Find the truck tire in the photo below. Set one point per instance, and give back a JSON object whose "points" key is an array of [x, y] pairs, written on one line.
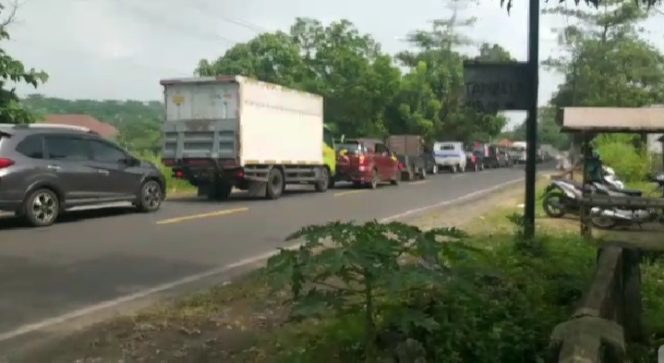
{"points": [[323, 180], [275, 184]]}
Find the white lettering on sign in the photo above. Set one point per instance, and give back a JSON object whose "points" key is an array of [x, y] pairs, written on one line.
{"points": [[496, 87]]}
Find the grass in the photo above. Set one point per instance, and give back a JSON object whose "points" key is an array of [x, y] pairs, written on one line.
{"points": [[248, 321]]}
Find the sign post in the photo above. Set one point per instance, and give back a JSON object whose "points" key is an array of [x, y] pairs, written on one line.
{"points": [[493, 87], [531, 122]]}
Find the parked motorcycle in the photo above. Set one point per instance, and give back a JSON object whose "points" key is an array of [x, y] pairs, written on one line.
{"points": [[607, 218], [563, 196]]}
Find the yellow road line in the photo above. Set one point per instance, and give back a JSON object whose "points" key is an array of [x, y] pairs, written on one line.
{"points": [[201, 216], [341, 194], [419, 182]]}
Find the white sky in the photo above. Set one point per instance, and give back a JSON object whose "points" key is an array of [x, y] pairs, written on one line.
{"points": [[120, 49]]}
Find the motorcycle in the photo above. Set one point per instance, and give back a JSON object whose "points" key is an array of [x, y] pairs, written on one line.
{"points": [[607, 218], [563, 196]]}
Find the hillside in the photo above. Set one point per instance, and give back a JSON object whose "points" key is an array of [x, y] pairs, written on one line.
{"points": [[137, 121]]}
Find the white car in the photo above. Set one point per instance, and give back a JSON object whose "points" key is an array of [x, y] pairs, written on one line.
{"points": [[450, 155]]}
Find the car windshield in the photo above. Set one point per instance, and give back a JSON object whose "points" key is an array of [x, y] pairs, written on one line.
{"points": [[446, 147], [352, 147]]}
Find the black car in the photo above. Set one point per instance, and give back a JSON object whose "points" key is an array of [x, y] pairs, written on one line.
{"points": [[48, 169]]}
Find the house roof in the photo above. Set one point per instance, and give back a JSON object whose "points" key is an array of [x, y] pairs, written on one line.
{"points": [[102, 128], [614, 119]]}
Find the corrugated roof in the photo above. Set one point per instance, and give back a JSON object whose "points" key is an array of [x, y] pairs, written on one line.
{"points": [[103, 129], [613, 119]]}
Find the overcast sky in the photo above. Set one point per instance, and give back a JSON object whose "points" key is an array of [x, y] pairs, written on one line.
{"points": [[119, 49]]}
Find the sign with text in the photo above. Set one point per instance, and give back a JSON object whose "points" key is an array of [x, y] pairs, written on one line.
{"points": [[492, 87]]}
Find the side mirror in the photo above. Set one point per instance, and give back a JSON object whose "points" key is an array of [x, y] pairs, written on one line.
{"points": [[130, 161]]}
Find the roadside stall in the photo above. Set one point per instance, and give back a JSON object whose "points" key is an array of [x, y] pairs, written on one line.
{"points": [[591, 121]]}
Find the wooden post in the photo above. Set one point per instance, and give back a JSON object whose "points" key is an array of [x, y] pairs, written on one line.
{"points": [[633, 308], [586, 229]]}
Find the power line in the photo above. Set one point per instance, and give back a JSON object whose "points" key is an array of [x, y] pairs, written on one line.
{"points": [[205, 8]]}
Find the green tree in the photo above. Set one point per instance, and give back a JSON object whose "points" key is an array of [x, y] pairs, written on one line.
{"points": [[13, 71], [437, 50], [347, 68], [607, 43], [493, 53]]}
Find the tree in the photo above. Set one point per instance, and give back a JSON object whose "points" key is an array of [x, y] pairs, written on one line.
{"points": [[493, 53], [606, 42], [436, 49], [13, 70], [356, 80], [270, 57]]}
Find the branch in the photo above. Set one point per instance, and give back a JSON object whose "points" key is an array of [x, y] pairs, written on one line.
{"points": [[12, 13]]}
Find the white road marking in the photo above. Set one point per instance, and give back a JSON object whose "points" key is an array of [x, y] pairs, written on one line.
{"points": [[419, 182], [219, 213], [91, 309], [341, 194]]}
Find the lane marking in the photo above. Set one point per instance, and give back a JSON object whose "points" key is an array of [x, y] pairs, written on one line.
{"points": [[451, 201], [419, 182], [341, 194], [91, 309], [201, 216]]}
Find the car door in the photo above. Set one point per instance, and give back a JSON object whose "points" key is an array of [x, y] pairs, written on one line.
{"points": [[121, 178], [69, 160], [383, 161]]}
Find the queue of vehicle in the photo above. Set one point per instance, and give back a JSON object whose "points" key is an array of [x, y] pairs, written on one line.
{"points": [[219, 134]]}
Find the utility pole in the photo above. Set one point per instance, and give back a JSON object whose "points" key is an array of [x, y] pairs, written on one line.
{"points": [[531, 122]]}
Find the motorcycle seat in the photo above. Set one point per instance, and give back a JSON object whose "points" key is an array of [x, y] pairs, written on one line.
{"points": [[631, 192]]}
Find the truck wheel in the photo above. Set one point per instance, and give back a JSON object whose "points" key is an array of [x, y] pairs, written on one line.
{"points": [[275, 184], [323, 180]]}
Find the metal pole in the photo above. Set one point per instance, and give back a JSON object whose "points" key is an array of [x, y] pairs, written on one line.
{"points": [[531, 123]]}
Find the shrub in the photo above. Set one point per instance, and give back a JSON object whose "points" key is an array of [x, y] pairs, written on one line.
{"points": [[619, 152], [394, 293]]}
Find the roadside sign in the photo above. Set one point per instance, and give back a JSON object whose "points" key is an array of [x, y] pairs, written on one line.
{"points": [[493, 87]]}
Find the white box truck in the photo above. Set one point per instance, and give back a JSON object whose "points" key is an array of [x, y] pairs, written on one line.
{"points": [[232, 131]]}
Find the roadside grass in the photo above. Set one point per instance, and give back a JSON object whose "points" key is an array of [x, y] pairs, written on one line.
{"points": [[175, 187], [507, 317]]}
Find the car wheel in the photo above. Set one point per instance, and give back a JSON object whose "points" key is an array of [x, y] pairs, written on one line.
{"points": [[275, 184], [323, 180], [41, 208], [397, 178], [374, 179], [150, 197]]}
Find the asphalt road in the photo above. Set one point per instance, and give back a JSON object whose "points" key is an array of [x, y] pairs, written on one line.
{"points": [[93, 257]]}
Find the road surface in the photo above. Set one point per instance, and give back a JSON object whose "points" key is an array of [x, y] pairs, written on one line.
{"points": [[92, 258]]}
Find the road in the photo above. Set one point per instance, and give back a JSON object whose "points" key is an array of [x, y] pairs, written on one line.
{"points": [[109, 256]]}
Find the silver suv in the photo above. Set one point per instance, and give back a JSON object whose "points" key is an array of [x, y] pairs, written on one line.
{"points": [[47, 169]]}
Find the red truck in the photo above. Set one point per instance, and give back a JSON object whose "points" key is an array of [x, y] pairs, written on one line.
{"points": [[366, 162]]}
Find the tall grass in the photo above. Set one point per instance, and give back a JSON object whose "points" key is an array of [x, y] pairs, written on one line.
{"points": [[173, 185]]}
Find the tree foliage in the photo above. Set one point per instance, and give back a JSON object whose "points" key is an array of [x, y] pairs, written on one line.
{"points": [[365, 92], [13, 71], [139, 123]]}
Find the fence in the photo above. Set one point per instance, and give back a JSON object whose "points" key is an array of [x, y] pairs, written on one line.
{"points": [[609, 314]]}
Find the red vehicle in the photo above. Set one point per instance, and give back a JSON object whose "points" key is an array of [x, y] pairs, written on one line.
{"points": [[366, 162]]}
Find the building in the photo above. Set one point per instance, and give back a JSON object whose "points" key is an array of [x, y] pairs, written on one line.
{"points": [[103, 129]]}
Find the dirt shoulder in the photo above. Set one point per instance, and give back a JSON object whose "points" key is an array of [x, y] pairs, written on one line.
{"points": [[225, 322]]}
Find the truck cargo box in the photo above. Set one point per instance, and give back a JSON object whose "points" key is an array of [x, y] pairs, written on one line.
{"points": [[406, 145], [241, 119]]}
